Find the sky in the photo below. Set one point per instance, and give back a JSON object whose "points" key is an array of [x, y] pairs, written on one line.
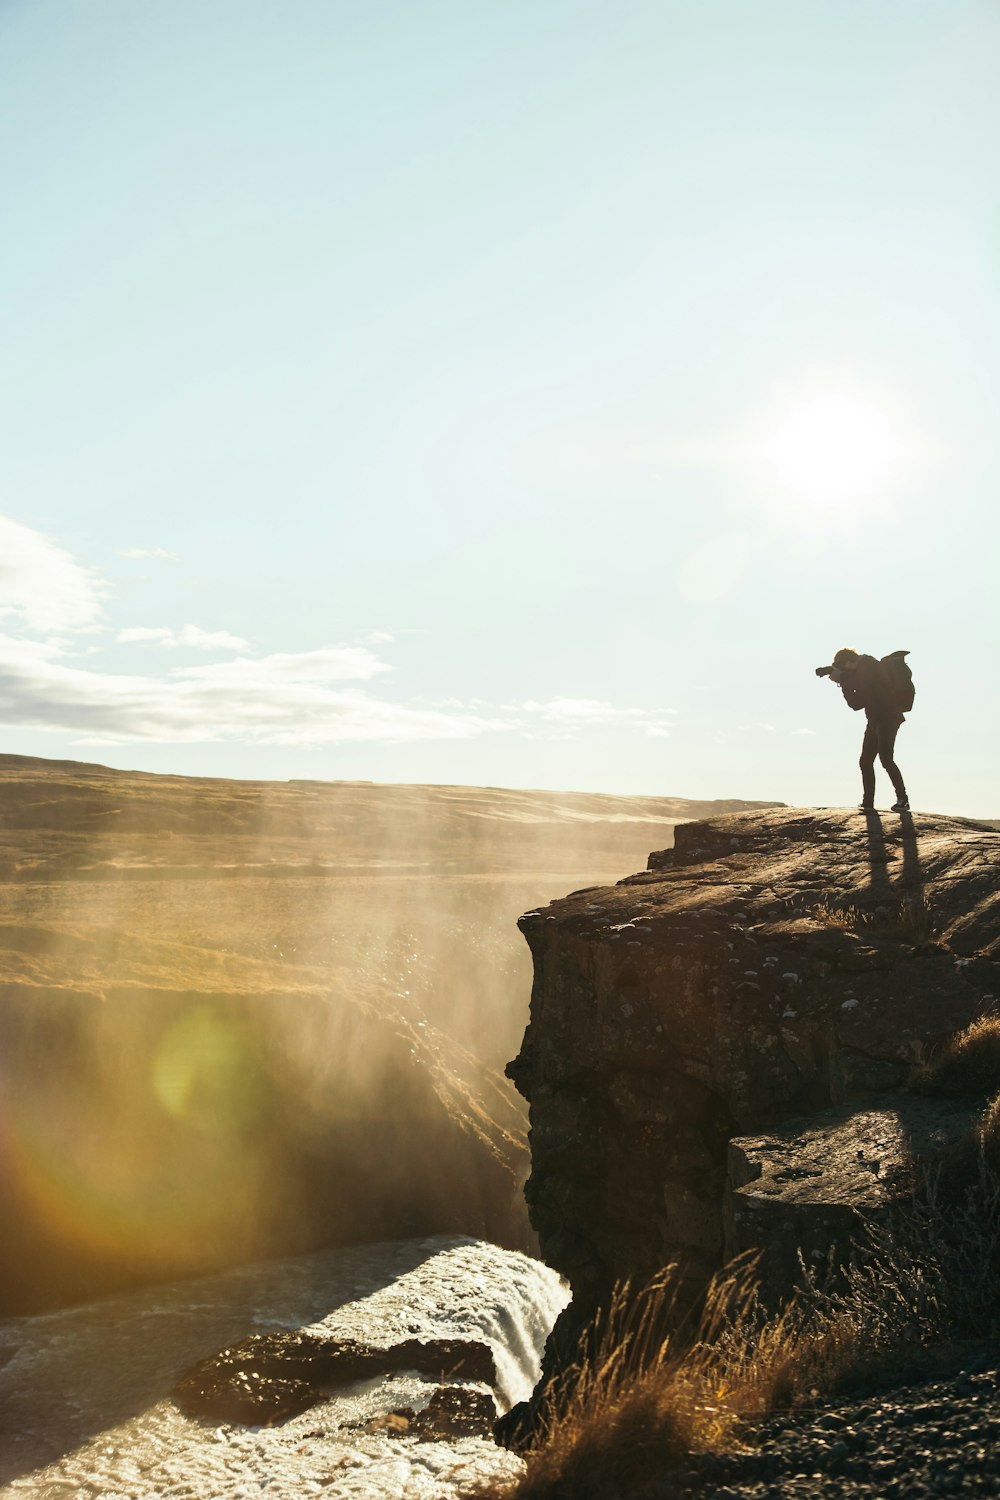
{"points": [[520, 393]]}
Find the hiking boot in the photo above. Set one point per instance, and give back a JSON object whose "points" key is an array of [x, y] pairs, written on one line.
{"points": [[903, 805], [866, 807]]}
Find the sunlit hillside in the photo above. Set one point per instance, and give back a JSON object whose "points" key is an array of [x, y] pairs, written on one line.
{"points": [[243, 1017]]}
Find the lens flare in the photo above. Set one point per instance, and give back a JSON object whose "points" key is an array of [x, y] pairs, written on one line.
{"points": [[144, 1151], [201, 1072]]}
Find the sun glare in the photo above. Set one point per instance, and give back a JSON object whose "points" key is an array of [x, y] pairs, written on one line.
{"points": [[830, 451]]}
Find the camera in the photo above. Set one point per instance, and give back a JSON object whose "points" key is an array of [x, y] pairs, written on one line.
{"points": [[825, 671]]}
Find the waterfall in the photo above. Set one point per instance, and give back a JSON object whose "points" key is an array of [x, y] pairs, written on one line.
{"points": [[85, 1391], [512, 1300]]}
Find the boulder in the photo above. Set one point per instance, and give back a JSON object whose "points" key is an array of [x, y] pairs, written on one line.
{"points": [[270, 1377]]}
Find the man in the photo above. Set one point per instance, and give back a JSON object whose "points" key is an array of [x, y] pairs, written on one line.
{"points": [[866, 683]]}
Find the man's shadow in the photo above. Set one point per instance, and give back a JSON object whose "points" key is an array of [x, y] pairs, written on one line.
{"points": [[908, 887], [913, 875], [926, 1125]]}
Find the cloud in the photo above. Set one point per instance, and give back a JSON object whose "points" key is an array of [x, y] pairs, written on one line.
{"points": [[312, 697], [41, 586], [285, 699], [139, 554], [188, 635], [566, 716], [329, 664]]}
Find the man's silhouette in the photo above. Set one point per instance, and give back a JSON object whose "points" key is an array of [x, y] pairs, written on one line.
{"points": [[865, 683]]}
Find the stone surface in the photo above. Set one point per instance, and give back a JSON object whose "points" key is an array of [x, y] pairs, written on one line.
{"points": [[771, 965], [919, 1439]]}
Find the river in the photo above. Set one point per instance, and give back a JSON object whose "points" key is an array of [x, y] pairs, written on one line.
{"points": [[86, 1391]]}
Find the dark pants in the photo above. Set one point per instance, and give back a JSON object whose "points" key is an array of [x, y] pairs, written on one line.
{"points": [[880, 738]]}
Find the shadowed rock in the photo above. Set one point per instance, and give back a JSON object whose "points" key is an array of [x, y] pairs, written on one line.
{"points": [[454, 1411], [808, 1188], [272, 1376]]}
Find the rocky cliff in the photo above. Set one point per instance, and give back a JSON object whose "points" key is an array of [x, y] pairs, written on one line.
{"points": [[702, 1032]]}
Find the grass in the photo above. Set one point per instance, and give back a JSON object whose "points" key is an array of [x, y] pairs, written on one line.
{"points": [[911, 919], [637, 1402], [968, 1064], [845, 918]]}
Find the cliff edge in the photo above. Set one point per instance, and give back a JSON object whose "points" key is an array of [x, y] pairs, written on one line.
{"points": [[774, 966]]}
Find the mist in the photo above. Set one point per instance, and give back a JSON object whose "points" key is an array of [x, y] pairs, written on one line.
{"points": [[242, 1019]]}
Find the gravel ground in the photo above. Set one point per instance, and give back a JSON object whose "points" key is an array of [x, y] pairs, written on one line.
{"points": [[938, 1437]]}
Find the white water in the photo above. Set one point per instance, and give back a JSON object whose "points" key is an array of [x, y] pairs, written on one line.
{"points": [[84, 1391]]}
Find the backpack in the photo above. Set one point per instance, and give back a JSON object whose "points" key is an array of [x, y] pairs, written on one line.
{"points": [[900, 679]]}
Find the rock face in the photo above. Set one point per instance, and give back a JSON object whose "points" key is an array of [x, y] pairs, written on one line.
{"points": [[771, 966]]}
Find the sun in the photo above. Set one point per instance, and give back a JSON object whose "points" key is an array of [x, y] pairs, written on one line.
{"points": [[831, 450]]}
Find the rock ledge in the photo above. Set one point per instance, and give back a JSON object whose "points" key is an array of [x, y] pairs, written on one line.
{"points": [[771, 967]]}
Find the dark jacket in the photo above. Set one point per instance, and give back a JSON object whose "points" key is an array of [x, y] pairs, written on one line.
{"points": [[870, 688]]}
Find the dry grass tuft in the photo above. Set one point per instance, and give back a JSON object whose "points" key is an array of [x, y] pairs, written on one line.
{"points": [[969, 1064], [962, 1168], [911, 919], [828, 912], [988, 1133], [637, 1403], [639, 1400]]}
